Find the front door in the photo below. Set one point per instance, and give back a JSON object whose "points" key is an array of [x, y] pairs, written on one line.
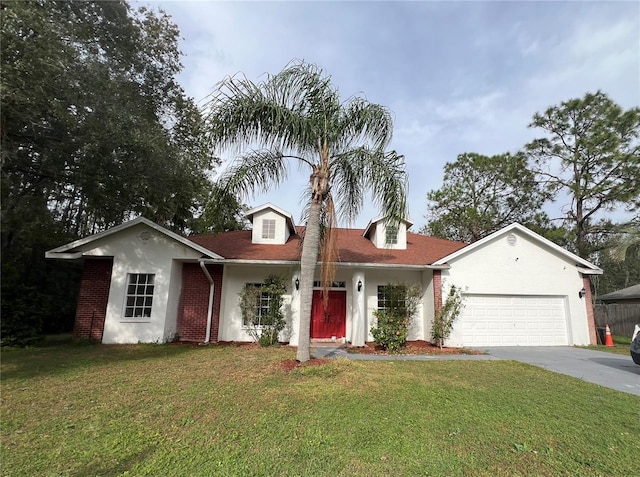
{"points": [[329, 321]]}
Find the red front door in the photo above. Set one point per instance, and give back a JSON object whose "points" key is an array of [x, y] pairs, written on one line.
{"points": [[329, 321]]}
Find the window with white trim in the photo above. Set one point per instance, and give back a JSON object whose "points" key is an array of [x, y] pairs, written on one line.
{"points": [[261, 308], [139, 298], [391, 235], [268, 228], [392, 297]]}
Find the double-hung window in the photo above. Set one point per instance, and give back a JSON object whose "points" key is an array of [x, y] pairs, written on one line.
{"points": [[261, 307], [268, 228], [392, 297], [392, 235], [139, 297]]}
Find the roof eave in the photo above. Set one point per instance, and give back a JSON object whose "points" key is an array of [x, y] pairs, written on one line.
{"points": [[69, 251]]}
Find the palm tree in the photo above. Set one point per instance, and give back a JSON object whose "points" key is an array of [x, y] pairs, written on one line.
{"points": [[297, 116]]}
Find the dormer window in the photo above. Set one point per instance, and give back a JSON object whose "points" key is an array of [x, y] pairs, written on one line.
{"points": [[388, 234], [270, 225], [391, 235], [268, 228]]}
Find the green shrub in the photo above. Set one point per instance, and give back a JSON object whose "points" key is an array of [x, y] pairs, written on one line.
{"points": [[401, 304], [446, 316], [392, 330], [264, 322]]}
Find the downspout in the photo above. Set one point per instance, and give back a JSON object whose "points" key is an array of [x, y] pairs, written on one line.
{"points": [[210, 307]]}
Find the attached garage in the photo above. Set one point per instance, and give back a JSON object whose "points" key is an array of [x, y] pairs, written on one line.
{"points": [[511, 320], [519, 289]]}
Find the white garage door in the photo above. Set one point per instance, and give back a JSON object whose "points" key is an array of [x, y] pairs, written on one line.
{"points": [[498, 320]]}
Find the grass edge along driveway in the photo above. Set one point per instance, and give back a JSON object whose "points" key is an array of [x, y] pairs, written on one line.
{"points": [[180, 410]]}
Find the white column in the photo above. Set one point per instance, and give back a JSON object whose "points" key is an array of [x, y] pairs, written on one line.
{"points": [[295, 310], [359, 322]]}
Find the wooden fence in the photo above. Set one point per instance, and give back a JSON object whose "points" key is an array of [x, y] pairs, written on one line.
{"points": [[620, 318]]}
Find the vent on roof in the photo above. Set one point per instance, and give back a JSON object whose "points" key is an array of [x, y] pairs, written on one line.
{"points": [[511, 239]]}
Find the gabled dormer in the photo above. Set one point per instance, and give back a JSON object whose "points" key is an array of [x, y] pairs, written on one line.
{"points": [[385, 235], [270, 224]]}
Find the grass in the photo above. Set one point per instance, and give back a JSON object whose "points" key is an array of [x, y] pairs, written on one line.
{"points": [[186, 411], [621, 345]]}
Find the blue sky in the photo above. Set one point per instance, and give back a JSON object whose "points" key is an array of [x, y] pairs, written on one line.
{"points": [[458, 76]]}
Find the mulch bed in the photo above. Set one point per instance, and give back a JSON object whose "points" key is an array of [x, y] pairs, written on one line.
{"points": [[412, 347], [291, 364]]}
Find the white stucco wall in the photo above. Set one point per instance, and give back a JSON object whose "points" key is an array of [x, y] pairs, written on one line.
{"points": [[141, 249], [282, 231], [359, 305], [235, 278], [525, 268], [376, 277]]}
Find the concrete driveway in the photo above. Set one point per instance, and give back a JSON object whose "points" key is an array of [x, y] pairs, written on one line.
{"points": [[613, 371]]}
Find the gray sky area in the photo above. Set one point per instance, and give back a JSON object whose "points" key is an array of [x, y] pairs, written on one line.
{"points": [[458, 76]]}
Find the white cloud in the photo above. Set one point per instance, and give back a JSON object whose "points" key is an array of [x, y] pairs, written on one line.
{"points": [[459, 76]]}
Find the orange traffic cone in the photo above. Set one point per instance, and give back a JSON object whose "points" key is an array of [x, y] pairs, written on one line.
{"points": [[608, 340]]}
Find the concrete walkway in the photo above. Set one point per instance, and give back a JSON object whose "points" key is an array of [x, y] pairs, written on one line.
{"points": [[610, 370], [340, 351]]}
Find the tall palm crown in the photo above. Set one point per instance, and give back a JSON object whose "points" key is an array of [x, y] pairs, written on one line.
{"points": [[296, 115]]}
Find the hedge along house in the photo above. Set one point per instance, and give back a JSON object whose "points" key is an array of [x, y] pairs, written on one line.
{"points": [[143, 283]]}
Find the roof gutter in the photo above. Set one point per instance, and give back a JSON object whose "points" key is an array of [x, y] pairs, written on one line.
{"points": [[203, 265], [238, 261]]}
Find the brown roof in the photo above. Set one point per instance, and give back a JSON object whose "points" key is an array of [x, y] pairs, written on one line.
{"points": [[352, 247]]}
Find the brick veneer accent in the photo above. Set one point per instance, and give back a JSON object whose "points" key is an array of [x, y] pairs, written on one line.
{"points": [[92, 299], [194, 302], [588, 302], [437, 290]]}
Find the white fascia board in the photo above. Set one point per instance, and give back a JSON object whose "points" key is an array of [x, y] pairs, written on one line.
{"points": [[287, 215], [392, 265], [521, 228], [338, 264], [63, 255], [59, 252], [589, 271], [239, 261]]}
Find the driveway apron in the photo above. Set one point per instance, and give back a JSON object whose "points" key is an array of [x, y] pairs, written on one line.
{"points": [[613, 371]]}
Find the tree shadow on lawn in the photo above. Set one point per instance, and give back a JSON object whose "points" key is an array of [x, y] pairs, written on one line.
{"points": [[26, 363], [117, 469]]}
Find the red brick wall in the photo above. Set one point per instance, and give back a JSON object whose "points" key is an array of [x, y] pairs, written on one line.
{"points": [[194, 302], [437, 290], [588, 302], [92, 299]]}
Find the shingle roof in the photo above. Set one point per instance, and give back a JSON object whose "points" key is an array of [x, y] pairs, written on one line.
{"points": [[629, 293], [352, 248]]}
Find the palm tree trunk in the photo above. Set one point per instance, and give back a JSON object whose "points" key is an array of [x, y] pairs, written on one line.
{"points": [[308, 263]]}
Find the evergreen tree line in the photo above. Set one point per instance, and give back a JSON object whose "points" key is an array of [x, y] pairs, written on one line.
{"points": [[586, 164], [95, 130]]}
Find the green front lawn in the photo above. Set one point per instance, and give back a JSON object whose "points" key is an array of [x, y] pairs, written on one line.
{"points": [[180, 410], [621, 345]]}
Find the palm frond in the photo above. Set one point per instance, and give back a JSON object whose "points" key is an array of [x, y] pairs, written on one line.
{"points": [[328, 247], [255, 170], [363, 124], [629, 240], [378, 172], [289, 110]]}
